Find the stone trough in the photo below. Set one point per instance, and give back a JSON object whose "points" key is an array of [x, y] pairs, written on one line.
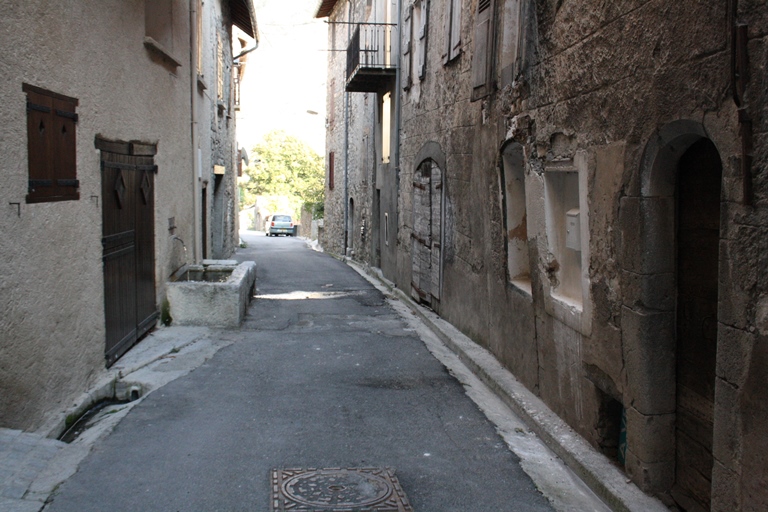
{"points": [[216, 293]]}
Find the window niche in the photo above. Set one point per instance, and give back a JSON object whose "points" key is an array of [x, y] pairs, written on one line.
{"points": [[515, 216], [158, 30], [386, 127], [567, 230]]}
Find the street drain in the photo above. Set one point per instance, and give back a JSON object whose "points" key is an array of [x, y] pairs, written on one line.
{"points": [[338, 490]]}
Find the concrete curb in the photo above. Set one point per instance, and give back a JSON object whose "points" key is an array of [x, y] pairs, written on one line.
{"points": [[606, 480]]}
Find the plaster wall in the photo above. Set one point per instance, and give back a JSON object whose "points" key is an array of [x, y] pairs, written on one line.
{"points": [[51, 287]]}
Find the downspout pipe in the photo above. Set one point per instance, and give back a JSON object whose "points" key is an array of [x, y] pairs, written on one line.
{"points": [[196, 214], [398, 91], [346, 139], [245, 52]]}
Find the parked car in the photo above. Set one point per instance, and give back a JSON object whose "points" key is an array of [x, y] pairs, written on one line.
{"points": [[279, 225]]}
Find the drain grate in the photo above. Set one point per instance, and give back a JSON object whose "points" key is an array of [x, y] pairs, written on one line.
{"points": [[338, 490]]}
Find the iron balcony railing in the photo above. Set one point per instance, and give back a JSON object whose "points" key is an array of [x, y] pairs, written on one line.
{"points": [[371, 51]]}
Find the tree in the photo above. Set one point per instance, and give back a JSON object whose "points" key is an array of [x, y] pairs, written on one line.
{"points": [[282, 165]]}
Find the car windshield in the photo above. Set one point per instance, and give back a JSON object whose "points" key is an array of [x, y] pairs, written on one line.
{"points": [[282, 218]]}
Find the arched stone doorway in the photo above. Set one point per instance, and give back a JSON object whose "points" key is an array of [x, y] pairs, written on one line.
{"points": [[699, 175], [670, 222], [426, 237]]}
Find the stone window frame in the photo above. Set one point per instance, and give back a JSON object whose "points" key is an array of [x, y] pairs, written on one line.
{"points": [[519, 281], [575, 314]]}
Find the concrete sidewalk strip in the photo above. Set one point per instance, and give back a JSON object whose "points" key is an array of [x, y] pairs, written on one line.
{"points": [[593, 468], [23, 456]]}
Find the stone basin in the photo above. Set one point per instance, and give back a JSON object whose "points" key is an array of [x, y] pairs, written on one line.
{"points": [[216, 293]]}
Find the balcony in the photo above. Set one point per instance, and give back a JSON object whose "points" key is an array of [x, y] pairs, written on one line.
{"points": [[371, 62]]}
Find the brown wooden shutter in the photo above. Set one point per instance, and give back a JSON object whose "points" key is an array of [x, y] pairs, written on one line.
{"points": [[64, 146], [51, 146], [331, 158], [40, 154], [482, 56]]}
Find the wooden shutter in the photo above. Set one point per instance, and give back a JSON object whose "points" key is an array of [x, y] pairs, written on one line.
{"points": [[455, 28], [331, 158], [452, 30], [51, 146], [407, 48], [422, 65], [483, 49]]}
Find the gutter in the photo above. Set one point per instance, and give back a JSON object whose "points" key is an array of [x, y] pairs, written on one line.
{"points": [[346, 139], [398, 105], [193, 14]]}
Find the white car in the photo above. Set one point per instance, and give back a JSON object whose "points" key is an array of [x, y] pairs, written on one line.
{"points": [[279, 224]]}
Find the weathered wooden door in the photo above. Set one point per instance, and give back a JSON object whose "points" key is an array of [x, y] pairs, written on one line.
{"points": [[427, 233], [127, 177]]}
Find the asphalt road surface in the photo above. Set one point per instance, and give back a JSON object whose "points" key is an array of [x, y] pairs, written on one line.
{"points": [[324, 374]]}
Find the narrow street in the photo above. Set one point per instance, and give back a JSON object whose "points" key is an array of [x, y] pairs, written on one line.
{"points": [[326, 372]]}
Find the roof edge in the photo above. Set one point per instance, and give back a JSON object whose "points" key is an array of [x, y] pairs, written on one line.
{"points": [[325, 8]]}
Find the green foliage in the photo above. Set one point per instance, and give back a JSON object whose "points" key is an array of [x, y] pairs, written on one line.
{"points": [[165, 313], [282, 165]]}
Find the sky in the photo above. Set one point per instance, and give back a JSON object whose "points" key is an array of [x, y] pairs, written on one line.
{"points": [[286, 75]]}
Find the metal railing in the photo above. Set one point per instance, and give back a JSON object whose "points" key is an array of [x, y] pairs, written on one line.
{"points": [[371, 47]]}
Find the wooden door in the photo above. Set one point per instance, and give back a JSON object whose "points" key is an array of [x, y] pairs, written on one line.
{"points": [[426, 236], [128, 244]]}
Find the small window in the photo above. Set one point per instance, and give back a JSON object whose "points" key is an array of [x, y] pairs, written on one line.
{"points": [[158, 22], [51, 144], [386, 127], [331, 164], [386, 228], [452, 31], [482, 53], [406, 61], [420, 41], [219, 68], [159, 30]]}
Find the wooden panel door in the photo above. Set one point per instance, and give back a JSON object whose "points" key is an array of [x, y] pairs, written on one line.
{"points": [[128, 249]]}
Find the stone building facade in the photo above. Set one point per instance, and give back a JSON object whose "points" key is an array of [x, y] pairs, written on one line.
{"points": [[105, 148], [580, 188]]}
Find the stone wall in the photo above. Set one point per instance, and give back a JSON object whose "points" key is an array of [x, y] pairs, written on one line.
{"points": [[558, 240], [217, 123]]}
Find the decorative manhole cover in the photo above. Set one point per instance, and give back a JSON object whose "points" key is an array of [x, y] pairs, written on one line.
{"points": [[335, 489]]}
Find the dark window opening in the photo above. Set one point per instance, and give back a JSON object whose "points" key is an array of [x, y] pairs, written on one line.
{"points": [[330, 170], [611, 428]]}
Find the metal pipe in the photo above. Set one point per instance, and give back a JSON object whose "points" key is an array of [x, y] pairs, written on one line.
{"points": [[245, 52], [398, 90], [193, 59], [346, 141]]}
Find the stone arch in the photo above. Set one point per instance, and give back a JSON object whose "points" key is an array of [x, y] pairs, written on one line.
{"points": [[432, 151], [650, 324]]}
